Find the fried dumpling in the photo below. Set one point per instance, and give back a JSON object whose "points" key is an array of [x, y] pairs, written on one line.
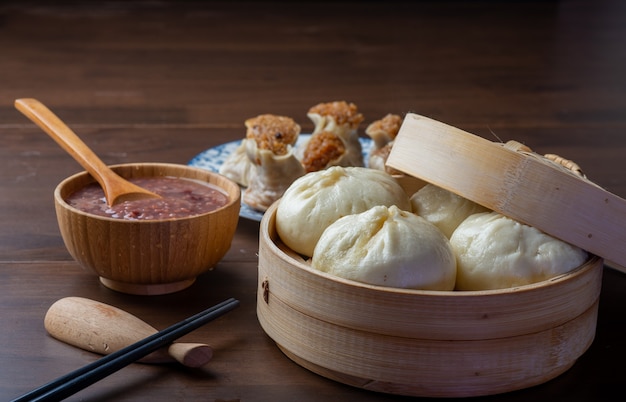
{"points": [[341, 119], [272, 176], [324, 149], [385, 130], [269, 148], [383, 133], [237, 166], [270, 132]]}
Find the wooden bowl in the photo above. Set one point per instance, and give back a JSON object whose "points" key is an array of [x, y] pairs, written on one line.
{"points": [[148, 257], [424, 343]]}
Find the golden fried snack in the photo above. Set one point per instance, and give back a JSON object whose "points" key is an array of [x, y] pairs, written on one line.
{"points": [[384, 130], [272, 132], [322, 149], [342, 112], [269, 147], [342, 119]]}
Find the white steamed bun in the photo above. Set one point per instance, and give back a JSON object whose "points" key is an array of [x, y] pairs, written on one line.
{"points": [[443, 208], [317, 199], [387, 247], [496, 252]]}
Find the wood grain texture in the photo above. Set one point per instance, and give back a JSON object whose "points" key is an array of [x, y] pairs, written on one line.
{"points": [[425, 343], [518, 183], [162, 81], [104, 329], [149, 257], [116, 189]]}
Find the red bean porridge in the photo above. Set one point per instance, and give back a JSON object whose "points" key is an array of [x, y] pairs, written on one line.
{"points": [[180, 198]]}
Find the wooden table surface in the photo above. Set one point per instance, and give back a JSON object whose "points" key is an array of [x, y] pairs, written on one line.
{"points": [[164, 81]]}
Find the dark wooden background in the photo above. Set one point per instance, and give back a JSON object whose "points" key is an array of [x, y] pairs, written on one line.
{"points": [[163, 81]]}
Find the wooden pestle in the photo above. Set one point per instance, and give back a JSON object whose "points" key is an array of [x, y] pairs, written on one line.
{"points": [[104, 329]]}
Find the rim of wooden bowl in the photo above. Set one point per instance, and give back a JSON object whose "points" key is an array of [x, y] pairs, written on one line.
{"points": [[137, 169]]}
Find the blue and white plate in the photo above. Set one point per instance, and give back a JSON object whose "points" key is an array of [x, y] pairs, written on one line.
{"points": [[213, 158]]}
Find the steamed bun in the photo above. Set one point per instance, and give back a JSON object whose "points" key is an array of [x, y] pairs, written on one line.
{"points": [[387, 247], [495, 252], [443, 208], [317, 199]]}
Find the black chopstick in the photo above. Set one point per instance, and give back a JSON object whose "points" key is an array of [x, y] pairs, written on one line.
{"points": [[77, 380]]}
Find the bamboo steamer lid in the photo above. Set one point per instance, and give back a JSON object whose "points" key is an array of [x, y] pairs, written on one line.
{"points": [[546, 192]]}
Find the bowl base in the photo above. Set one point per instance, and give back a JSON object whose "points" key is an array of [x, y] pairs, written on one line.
{"points": [[147, 289]]}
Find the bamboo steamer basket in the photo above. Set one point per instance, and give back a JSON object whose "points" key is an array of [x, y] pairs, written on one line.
{"points": [[428, 343], [424, 343]]}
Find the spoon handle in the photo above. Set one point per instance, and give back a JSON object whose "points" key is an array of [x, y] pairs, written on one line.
{"points": [[39, 114], [104, 329], [116, 188]]}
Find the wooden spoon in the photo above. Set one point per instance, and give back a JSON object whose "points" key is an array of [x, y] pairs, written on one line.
{"points": [[116, 189], [104, 329]]}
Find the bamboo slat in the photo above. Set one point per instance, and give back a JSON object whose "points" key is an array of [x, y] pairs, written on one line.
{"points": [[517, 183]]}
